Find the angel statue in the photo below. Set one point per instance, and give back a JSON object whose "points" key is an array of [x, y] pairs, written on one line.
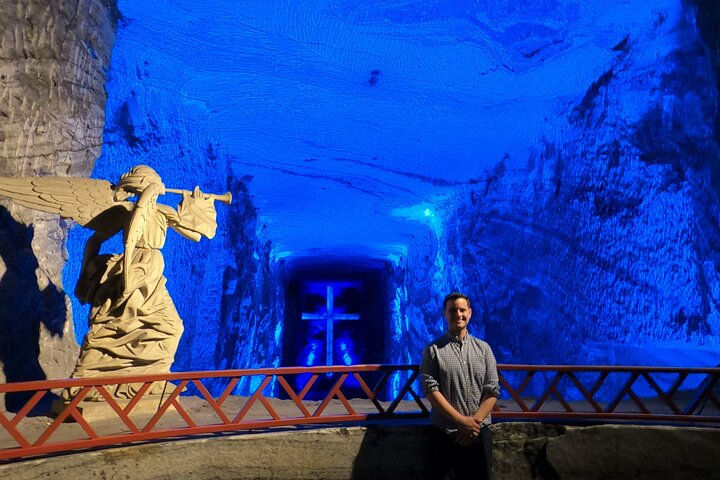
{"points": [[134, 326]]}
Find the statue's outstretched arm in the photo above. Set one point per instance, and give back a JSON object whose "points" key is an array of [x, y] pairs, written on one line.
{"points": [[187, 233], [195, 216]]}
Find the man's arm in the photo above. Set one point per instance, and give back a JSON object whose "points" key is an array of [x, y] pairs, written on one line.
{"points": [[467, 437], [431, 388], [491, 387], [464, 422], [486, 406], [490, 392]]}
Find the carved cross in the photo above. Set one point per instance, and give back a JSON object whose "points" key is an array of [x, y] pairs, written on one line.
{"points": [[330, 317]]}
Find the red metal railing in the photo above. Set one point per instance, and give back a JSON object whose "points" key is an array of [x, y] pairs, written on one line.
{"points": [[351, 394], [611, 393]]}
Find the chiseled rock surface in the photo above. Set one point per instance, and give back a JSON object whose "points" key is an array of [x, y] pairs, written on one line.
{"points": [[584, 222], [53, 59], [556, 161], [522, 451], [603, 249], [634, 452]]}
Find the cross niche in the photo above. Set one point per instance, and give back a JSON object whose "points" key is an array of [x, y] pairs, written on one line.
{"points": [[334, 320], [330, 316]]}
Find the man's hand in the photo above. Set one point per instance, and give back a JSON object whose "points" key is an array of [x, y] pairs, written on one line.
{"points": [[465, 438], [470, 424], [468, 430]]}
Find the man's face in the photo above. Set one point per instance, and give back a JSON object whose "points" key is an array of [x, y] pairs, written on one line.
{"points": [[457, 313]]}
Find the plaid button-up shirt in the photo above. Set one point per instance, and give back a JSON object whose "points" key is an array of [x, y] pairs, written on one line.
{"points": [[464, 371]]}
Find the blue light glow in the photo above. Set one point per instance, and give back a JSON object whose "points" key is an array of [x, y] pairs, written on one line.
{"points": [[310, 354], [344, 347], [424, 213], [558, 163]]}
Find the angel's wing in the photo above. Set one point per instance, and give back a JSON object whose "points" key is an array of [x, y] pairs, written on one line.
{"points": [[77, 198], [141, 216]]}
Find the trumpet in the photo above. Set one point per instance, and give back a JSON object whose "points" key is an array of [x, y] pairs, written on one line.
{"points": [[225, 198]]}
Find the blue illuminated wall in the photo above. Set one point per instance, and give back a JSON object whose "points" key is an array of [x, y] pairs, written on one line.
{"points": [[569, 184]]}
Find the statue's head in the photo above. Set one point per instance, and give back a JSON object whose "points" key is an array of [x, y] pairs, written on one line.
{"points": [[137, 180]]}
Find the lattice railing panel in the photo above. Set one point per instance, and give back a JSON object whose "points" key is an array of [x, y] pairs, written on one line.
{"points": [[284, 397], [608, 393]]}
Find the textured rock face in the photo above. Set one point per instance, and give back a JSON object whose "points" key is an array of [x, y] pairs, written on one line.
{"points": [[520, 450], [556, 161], [589, 236], [252, 305], [227, 291], [604, 248], [618, 452], [53, 59]]}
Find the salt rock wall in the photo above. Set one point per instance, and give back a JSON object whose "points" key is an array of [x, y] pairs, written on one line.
{"points": [[605, 248], [251, 321], [418, 284], [53, 60]]}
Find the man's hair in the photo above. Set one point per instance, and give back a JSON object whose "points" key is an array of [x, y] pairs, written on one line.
{"points": [[454, 296]]}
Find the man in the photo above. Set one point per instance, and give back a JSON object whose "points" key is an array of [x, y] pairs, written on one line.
{"points": [[459, 377]]}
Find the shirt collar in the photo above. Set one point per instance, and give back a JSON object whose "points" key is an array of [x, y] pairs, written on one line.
{"points": [[453, 338]]}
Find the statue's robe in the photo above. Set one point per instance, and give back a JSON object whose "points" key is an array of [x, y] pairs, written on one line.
{"points": [[136, 330]]}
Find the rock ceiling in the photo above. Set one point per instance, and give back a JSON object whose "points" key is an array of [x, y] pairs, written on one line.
{"points": [[358, 122]]}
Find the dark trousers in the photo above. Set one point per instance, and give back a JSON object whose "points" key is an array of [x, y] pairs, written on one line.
{"points": [[466, 462]]}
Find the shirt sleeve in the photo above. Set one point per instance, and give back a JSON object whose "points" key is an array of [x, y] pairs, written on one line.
{"points": [[429, 371], [491, 385]]}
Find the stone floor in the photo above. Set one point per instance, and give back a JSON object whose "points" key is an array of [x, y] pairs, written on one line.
{"points": [[396, 450]]}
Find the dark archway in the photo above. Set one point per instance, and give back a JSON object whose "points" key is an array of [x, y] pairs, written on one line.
{"points": [[340, 305]]}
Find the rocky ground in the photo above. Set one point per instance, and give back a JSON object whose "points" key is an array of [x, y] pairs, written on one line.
{"points": [[382, 449]]}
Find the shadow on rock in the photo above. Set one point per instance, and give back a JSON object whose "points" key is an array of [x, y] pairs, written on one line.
{"points": [[23, 307]]}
